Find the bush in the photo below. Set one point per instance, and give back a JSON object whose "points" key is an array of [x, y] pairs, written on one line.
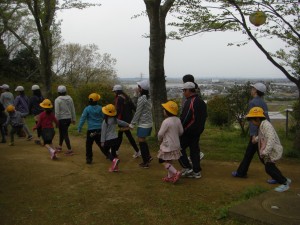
{"points": [[218, 111]]}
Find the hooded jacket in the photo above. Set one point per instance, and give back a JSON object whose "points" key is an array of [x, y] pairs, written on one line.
{"points": [[64, 108], [94, 116]]}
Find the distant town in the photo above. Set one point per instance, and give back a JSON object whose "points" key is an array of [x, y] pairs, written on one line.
{"points": [[279, 89]]}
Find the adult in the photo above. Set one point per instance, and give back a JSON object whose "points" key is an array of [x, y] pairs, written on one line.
{"points": [[21, 104], [125, 109], [257, 92], [193, 119], [143, 119], [190, 78], [65, 113], [35, 109]]}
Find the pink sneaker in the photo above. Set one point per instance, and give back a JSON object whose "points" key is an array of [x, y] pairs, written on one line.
{"points": [[176, 177], [168, 179], [114, 165], [53, 154]]}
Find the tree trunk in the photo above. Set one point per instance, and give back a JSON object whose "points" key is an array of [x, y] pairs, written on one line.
{"points": [[157, 16]]}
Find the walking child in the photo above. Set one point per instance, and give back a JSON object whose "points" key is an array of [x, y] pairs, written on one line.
{"points": [[109, 135], [94, 116], [168, 135], [15, 119], [46, 120], [269, 146]]}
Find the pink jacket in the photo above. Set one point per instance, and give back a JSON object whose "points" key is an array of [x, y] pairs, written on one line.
{"points": [[169, 132]]}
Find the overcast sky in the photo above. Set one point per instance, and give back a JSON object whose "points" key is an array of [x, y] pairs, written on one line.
{"points": [[111, 28]]}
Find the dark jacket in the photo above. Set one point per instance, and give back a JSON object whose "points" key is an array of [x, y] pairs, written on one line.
{"points": [[125, 108], [193, 116], [34, 105]]}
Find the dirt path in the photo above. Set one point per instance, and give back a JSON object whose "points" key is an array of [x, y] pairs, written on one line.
{"points": [[32, 186]]}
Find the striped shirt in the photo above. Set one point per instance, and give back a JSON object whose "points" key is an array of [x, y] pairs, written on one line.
{"points": [[143, 114]]}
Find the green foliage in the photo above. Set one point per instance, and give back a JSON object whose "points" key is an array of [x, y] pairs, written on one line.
{"points": [[81, 93], [218, 111]]}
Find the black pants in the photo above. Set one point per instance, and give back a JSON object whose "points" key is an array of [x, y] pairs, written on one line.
{"points": [[91, 137], [39, 130], [193, 144], [13, 131], [2, 130], [111, 148], [130, 139], [274, 172], [64, 132], [248, 156]]}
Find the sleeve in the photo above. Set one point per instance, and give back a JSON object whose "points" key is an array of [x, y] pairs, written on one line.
{"points": [[56, 107], [122, 123], [163, 129], [103, 131], [180, 128], [39, 121], [16, 101], [139, 109], [73, 111], [82, 119], [269, 134]]}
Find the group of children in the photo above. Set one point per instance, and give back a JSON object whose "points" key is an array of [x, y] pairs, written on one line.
{"points": [[103, 126]]}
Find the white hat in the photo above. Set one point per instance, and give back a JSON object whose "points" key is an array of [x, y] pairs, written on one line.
{"points": [[144, 84], [117, 87], [5, 87], [260, 87], [188, 85], [19, 88], [35, 87], [61, 89]]}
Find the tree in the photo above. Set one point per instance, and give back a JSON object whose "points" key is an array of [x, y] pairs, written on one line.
{"points": [[42, 12], [78, 64], [237, 101], [282, 22], [157, 11]]}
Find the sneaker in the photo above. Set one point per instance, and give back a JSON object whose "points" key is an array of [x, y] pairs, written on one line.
{"points": [[144, 165], [167, 179], [176, 177], [53, 154], [136, 154], [201, 155], [150, 159], [11, 144], [195, 175], [89, 161], [235, 174], [116, 169], [288, 181], [283, 187], [69, 153], [115, 163], [272, 181], [186, 172], [29, 138]]}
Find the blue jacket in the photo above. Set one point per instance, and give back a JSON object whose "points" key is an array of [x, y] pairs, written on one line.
{"points": [[94, 116]]}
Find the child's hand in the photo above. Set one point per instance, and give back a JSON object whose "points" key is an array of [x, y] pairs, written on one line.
{"points": [[124, 128], [131, 126], [254, 139], [34, 128]]}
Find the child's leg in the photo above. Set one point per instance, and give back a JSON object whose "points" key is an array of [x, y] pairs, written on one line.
{"points": [[12, 135], [170, 168], [51, 150], [144, 150], [275, 173], [106, 152], [2, 134]]}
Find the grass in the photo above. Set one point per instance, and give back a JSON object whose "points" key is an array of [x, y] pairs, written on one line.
{"points": [[35, 190]]}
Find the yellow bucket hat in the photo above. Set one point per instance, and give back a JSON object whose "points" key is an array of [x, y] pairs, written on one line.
{"points": [[10, 108], [95, 97], [109, 110], [46, 104], [255, 112], [171, 107]]}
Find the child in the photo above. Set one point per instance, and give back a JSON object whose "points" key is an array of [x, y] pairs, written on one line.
{"points": [[45, 122], [168, 135], [15, 119], [143, 119], [109, 135], [270, 149], [94, 116]]}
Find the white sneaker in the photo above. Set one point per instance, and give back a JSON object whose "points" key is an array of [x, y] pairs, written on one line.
{"points": [[136, 154], [282, 188], [195, 175], [201, 155], [186, 172]]}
